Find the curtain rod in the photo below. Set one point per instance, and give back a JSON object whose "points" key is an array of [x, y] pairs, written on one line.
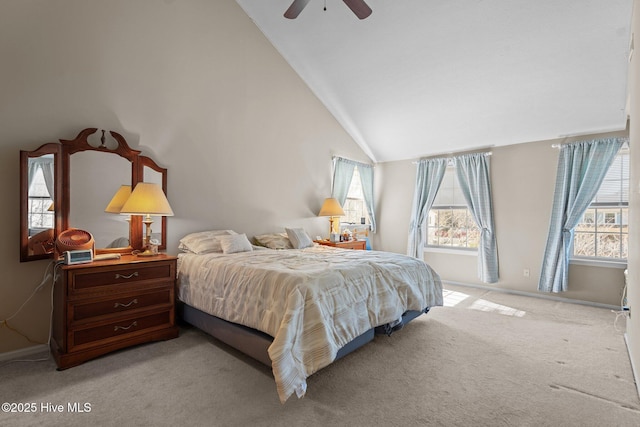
{"points": [[371, 165], [625, 144], [450, 158]]}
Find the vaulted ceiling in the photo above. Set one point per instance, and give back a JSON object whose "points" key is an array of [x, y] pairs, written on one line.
{"points": [[425, 77]]}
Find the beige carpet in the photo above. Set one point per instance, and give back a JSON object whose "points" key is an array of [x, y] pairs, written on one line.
{"points": [[486, 359]]}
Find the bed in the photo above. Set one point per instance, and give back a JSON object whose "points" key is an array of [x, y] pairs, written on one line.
{"points": [[298, 310]]}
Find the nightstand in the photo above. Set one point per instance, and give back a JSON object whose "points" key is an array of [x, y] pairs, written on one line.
{"points": [[108, 305], [351, 244]]}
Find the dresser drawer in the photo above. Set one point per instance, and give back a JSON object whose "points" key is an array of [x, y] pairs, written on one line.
{"points": [[353, 244], [94, 279], [119, 328], [86, 310]]}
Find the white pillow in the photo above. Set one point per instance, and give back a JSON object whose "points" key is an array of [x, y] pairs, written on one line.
{"points": [[235, 243], [203, 242], [274, 241], [299, 238]]}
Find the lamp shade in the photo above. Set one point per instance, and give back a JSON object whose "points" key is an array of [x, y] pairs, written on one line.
{"points": [[118, 200], [331, 207], [147, 199]]}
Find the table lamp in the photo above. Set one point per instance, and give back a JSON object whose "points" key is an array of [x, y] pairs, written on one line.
{"points": [[147, 199], [331, 208]]}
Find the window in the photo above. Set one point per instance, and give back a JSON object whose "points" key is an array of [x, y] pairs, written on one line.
{"points": [[354, 206], [603, 231], [450, 223], [39, 216]]}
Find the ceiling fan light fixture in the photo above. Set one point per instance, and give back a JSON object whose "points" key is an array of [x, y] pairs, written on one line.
{"points": [[358, 7]]}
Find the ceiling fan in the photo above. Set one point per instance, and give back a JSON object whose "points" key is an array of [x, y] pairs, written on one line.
{"points": [[359, 7]]}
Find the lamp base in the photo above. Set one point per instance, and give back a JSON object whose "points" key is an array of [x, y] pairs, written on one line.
{"points": [[147, 252]]}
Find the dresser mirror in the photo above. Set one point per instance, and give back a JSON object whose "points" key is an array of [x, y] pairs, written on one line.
{"points": [[87, 186], [88, 170], [40, 195]]}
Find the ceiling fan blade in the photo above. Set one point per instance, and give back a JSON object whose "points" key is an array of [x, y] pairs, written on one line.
{"points": [[359, 7], [295, 9]]}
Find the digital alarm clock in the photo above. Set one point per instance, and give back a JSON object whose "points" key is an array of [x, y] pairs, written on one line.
{"points": [[79, 256]]}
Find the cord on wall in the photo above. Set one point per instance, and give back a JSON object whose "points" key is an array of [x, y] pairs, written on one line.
{"points": [[624, 308], [5, 322]]}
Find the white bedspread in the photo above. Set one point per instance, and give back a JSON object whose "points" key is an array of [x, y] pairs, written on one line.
{"points": [[312, 301]]}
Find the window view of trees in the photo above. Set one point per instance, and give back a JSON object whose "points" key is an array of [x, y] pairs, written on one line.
{"points": [[450, 223], [602, 233], [452, 227]]}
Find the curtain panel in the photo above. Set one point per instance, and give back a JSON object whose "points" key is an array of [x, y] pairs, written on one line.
{"points": [[428, 179], [46, 164], [582, 167], [342, 176], [473, 175]]}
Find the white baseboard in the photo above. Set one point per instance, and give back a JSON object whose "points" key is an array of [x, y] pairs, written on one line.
{"points": [[534, 295], [633, 368], [23, 352]]}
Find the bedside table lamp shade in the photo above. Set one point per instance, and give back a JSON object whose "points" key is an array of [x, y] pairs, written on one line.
{"points": [[119, 199], [147, 199], [331, 208]]}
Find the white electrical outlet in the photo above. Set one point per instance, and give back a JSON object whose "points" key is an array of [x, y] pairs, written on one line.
{"points": [[526, 272]]}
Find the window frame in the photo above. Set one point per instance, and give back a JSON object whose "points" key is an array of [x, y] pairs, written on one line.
{"points": [[38, 207], [621, 207], [355, 178], [451, 169]]}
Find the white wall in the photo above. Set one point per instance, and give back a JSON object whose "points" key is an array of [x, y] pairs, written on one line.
{"points": [[193, 84], [633, 323], [523, 178]]}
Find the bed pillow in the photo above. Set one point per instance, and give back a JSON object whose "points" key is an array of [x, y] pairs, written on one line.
{"points": [[203, 242], [235, 243], [299, 238], [274, 241]]}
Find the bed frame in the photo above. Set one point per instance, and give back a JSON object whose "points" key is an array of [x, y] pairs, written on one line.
{"points": [[255, 343]]}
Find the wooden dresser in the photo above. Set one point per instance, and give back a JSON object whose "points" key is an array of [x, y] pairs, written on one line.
{"points": [[107, 305], [351, 244]]}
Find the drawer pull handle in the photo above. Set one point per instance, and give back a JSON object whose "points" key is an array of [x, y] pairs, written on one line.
{"points": [[124, 328], [119, 304], [126, 276]]}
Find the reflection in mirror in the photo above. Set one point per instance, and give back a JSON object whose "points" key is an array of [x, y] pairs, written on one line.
{"points": [[41, 209], [94, 179], [154, 177], [40, 201], [151, 172]]}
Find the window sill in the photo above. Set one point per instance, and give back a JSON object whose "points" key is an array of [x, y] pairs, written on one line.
{"points": [[598, 263], [452, 251]]}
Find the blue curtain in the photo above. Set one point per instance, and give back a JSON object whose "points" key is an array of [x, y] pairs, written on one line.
{"points": [[581, 168], [366, 180], [472, 171], [342, 176], [428, 180]]}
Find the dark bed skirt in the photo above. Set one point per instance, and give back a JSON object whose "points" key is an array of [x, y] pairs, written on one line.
{"points": [[255, 343]]}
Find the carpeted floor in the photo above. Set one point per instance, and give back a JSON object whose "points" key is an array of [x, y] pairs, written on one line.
{"points": [[485, 359]]}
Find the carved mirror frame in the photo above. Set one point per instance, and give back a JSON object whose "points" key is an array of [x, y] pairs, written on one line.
{"points": [[62, 153]]}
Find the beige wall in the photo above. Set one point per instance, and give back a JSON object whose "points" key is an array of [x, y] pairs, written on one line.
{"points": [[523, 178], [633, 288], [192, 83]]}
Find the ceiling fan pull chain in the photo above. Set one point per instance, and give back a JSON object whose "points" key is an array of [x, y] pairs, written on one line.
{"points": [[325, 5]]}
